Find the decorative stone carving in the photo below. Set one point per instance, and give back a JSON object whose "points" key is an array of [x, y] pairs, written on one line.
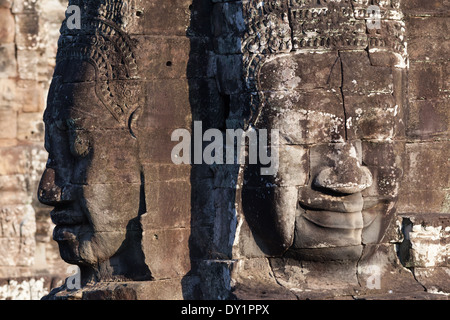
{"points": [[105, 175], [95, 187], [322, 226], [334, 87]]}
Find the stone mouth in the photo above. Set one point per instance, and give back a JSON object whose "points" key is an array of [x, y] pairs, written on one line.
{"points": [[335, 220], [66, 232], [310, 199], [352, 211], [67, 215]]}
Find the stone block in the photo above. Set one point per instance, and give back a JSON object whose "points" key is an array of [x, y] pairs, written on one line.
{"points": [[11, 246], [200, 18], [156, 145], [420, 8], [305, 71], [13, 189], [17, 221], [427, 166], [228, 19], [428, 119], [166, 252], [6, 4], [27, 61], [8, 64], [428, 49], [426, 39], [372, 117], [423, 201], [426, 178], [425, 80], [304, 118], [430, 246], [166, 107], [8, 93], [383, 160], [201, 59], [207, 104], [8, 123], [14, 160], [168, 205], [30, 127], [427, 27], [27, 31], [7, 28], [30, 96], [152, 18], [356, 67], [163, 58], [230, 74]]}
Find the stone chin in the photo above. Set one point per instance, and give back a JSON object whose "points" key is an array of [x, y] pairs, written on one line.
{"points": [[326, 236], [339, 236], [78, 245]]}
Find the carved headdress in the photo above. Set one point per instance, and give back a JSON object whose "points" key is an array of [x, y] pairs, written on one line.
{"points": [[283, 26], [102, 41]]}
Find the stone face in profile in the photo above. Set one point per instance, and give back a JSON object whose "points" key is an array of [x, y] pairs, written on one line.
{"points": [[93, 176], [121, 207]]}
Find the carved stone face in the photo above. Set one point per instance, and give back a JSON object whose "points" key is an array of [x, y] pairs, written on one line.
{"points": [[92, 177], [334, 92], [338, 118]]}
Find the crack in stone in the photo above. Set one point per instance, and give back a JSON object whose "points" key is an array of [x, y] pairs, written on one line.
{"points": [[403, 257], [278, 282], [341, 87], [291, 26]]}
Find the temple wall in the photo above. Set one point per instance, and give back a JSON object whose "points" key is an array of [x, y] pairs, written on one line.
{"points": [[424, 200], [29, 260]]}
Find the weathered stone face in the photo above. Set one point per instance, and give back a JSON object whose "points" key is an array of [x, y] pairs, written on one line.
{"points": [[92, 183], [93, 177], [335, 93], [109, 118]]}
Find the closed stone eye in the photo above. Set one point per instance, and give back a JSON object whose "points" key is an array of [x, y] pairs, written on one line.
{"points": [[79, 143]]}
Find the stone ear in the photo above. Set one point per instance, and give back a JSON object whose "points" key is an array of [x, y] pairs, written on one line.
{"points": [[133, 122]]}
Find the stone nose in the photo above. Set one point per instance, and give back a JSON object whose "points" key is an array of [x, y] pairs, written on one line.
{"points": [[50, 193], [346, 176]]}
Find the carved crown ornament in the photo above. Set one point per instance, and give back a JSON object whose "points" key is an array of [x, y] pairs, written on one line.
{"points": [[279, 26], [102, 42], [286, 26]]}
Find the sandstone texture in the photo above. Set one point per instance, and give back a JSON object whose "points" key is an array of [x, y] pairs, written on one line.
{"points": [[30, 265], [372, 103]]}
